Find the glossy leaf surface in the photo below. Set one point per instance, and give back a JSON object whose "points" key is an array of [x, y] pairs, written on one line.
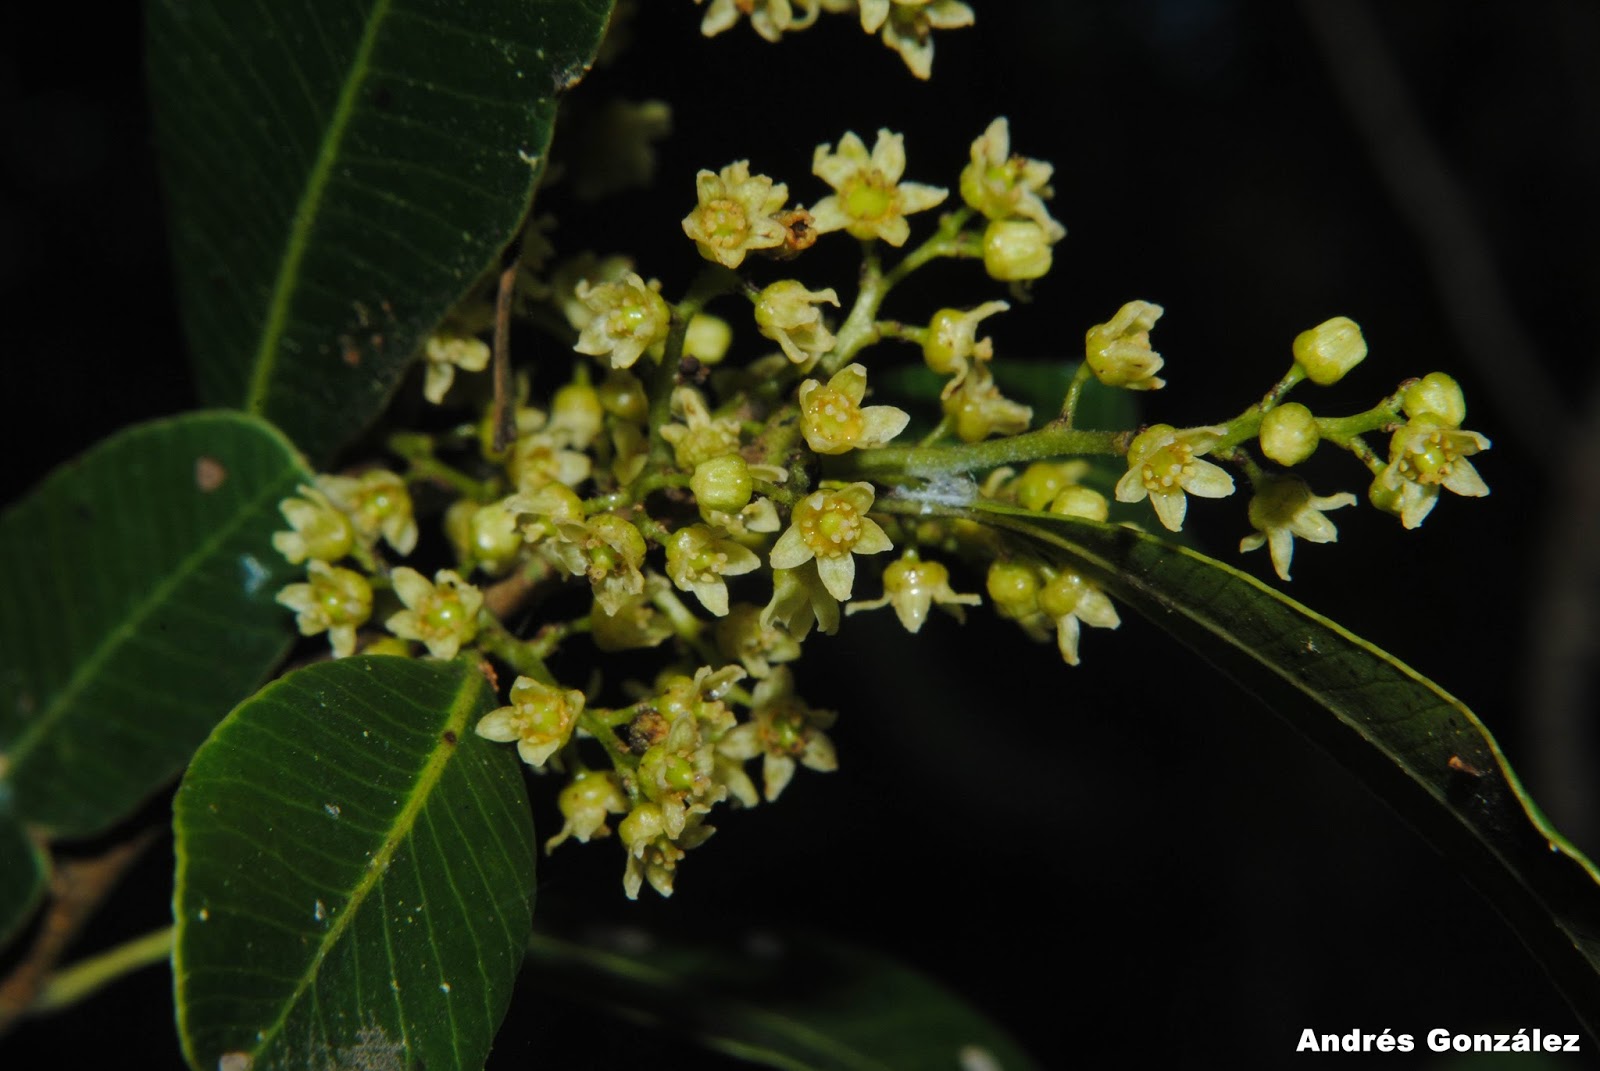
{"points": [[339, 174], [136, 608], [355, 873], [798, 1004], [1407, 739]]}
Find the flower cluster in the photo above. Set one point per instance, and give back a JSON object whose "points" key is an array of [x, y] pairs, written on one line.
{"points": [[905, 25], [707, 490]]}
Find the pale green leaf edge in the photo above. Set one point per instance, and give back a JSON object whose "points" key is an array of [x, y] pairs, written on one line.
{"points": [[18, 850]]}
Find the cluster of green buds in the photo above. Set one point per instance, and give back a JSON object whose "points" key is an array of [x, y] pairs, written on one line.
{"points": [[720, 490]]}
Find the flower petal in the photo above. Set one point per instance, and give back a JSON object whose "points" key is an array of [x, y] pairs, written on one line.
{"points": [[838, 575]]}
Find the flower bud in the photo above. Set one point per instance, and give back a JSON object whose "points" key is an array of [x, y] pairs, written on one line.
{"points": [[707, 338], [1330, 349], [1042, 481], [623, 395], [1436, 395], [1014, 587], [1289, 434], [577, 412], [952, 337], [722, 483], [1014, 250], [1080, 501]]}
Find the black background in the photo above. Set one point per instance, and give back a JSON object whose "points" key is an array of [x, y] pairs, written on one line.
{"points": [[1128, 856]]}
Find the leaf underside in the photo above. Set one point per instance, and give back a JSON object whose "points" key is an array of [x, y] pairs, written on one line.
{"points": [[1413, 744], [137, 609], [355, 874], [796, 1003], [338, 175]]}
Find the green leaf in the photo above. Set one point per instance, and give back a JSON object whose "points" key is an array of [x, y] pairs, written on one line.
{"points": [[339, 175], [136, 608], [798, 1004], [1412, 743], [355, 873], [23, 869]]}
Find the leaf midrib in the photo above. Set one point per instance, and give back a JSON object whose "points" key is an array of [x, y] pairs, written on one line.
{"points": [[399, 830], [306, 211]]}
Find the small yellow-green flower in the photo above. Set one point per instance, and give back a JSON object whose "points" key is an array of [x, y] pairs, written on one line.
{"points": [[1068, 598], [1164, 464], [1330, 349], [1119, 352], [912, 586], [784, 731], [951, 344], [1001, 185], [799, 600], [701, 436], [539, 718], [869, 200], [336, 601], [1424, 456], [628, 317], [442, 614], [541, 458], [733, 214], [318, 529], [833, 421], [447, 352], [757, 647], [585, 802], [908, 27], [699, 557], [787, 313], [653, 855], [377, 503], [831, 526], [769, 18], [1284, 507], [978, 410], [1016, 250], [608, 550]]}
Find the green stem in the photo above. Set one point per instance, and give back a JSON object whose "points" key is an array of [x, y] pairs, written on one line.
{"points": [[1069, 405], [520, 656], [69, 985], [1052, 440], [861, 328]]}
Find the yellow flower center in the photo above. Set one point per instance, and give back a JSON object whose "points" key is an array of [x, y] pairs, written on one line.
{"points": [[444, 616], [867, 196], [1165, 470], [1429, 459], [724, 222], [829, 524], [707, 564], [834, 416]]}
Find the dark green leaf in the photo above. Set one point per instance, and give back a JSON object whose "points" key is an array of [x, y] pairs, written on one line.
{"points": [[1412, 743], [799, 1004], [338, 176], [355, 873], [137, 607], [23, 869]]}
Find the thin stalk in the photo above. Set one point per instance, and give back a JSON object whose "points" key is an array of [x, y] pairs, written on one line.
{"points": [[1052, 440], [69, 985]]}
